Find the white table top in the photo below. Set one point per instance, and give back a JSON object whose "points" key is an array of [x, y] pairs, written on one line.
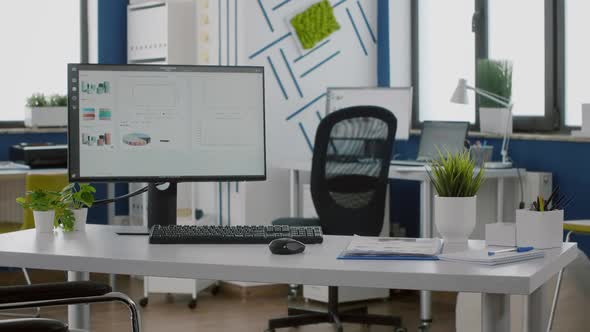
{"points": [[415, 173], [99, 249]]}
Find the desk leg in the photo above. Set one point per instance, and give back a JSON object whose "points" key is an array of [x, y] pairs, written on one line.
{"points": [[425, 232], [537, 308], [294, 184], [79, 314], [500, 201], [495, 312]]}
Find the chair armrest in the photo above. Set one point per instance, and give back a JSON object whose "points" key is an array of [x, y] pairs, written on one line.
{"points": [[61, 290], [32, 325]]}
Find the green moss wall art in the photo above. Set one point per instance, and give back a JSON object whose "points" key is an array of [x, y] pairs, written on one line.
{"points": [[315, 24]]}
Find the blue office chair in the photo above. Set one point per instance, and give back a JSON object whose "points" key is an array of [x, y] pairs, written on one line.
{"points": [[349, 179]]}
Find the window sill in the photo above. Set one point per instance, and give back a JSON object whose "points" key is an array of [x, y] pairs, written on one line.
{"points": [[556, 137], [26, 130]]}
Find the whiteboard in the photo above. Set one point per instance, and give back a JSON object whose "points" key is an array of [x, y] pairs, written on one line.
{"points": [[396, 100]]}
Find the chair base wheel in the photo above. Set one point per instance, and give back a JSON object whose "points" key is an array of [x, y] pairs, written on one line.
{"points": [[192, 304], [143, 301], [215, 290]]}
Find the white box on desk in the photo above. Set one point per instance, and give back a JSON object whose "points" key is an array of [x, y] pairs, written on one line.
{"points": [[501, 234], [540, 230]]}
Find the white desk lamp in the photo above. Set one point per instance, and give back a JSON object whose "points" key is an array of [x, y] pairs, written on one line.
{"points": [[460, 97]]}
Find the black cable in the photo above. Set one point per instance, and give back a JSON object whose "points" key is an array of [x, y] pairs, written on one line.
{"points": [[522, 204], [128, 195]]}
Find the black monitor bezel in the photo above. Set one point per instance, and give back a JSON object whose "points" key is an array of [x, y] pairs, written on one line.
{"points": [[74, 130]]}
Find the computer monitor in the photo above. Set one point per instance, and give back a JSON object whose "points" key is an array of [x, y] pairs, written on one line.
{"points": [[441, 136], [165, 124]]}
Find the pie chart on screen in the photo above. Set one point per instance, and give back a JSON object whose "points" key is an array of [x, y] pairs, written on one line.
{"points": [[137, 139]]}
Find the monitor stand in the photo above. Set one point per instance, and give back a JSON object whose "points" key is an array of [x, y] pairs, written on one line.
{"points": [[162, 204]]}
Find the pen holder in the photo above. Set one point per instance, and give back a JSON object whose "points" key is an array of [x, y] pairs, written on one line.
{"points": [[541, 230], [481, 154]]}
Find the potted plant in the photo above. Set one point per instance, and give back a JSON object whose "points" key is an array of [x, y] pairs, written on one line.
{"points": [[456, 182], [75, 199], [43, 203], [43, 111], [494, 76]]}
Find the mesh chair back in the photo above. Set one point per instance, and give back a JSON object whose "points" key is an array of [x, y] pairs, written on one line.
{"points": [[350, 167]]}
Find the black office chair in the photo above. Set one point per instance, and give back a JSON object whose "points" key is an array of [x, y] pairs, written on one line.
{"points": [[63, 293], [349, 179]]}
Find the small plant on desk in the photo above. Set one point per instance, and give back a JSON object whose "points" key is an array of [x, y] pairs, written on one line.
{"points": [[43, 203], [456, 182], [75, 199]]}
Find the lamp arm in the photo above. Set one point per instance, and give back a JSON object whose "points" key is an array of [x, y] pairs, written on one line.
{"points": [[506, 100], [506, 103], [498, 99], [506, 140]]}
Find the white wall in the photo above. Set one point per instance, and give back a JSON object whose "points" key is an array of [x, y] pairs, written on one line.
{"points": [[350, 67], [400, 42]]}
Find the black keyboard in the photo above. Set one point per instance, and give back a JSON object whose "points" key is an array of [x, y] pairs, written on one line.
{"points": [[190, 234]]}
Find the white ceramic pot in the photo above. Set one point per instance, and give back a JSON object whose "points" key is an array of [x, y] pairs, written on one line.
{"points": [[80, 216], [44, 221], [493, 120], [454, 217]]}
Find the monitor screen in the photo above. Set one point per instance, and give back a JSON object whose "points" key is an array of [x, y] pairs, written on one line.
{"points": [[151, 123], [441, 136]]}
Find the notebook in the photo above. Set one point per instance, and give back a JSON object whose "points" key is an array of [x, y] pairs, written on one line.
{"points": [[482, 257], [391, 248]]}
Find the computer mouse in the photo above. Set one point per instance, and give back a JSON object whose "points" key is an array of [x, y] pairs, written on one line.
{"points": [[286, 246]]}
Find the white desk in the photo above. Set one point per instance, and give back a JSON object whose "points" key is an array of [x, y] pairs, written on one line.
{"points": [[426, 196], [99, 249]]}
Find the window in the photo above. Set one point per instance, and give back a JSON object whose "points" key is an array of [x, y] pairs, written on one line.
{"points": [[577, 65], [446, 52], [449, 36], [39, 38], [523, 43]]}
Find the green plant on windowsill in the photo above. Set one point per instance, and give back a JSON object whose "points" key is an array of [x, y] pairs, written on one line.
{"points": [[494, 76], [454, 175], [73, 197], [40, 100], [37, 100], [58, 100]]}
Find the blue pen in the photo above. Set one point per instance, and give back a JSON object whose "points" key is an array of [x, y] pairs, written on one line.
{"points": [[517, 249]]}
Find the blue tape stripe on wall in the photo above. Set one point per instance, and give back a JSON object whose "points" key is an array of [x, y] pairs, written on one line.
{"points": [[356, 30], [291, 73], [265, 16], [306, 136], [306, 106], [319, 64], [317, 113], [112, 31], [279, 82], [281, 4], [383, 74], [269, 45], [313, 50], [338, 3], [367, 21]]}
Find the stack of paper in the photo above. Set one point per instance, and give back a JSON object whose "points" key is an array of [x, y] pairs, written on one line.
{"points": [[392, 248], [482, 257]]}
